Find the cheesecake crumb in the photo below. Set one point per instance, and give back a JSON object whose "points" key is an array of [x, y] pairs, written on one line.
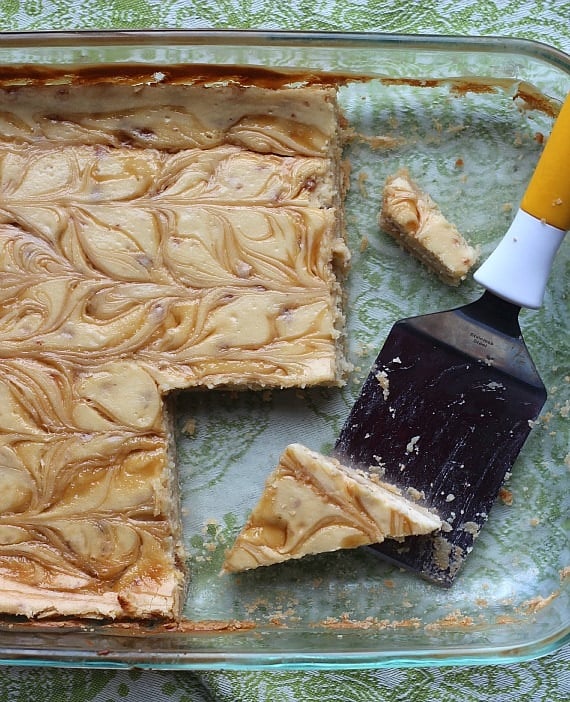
{"points": [[362, 178], [412, 446], [382, 378], [190, 427]]}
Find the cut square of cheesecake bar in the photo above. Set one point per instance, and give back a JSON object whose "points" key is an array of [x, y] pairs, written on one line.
{"points": [[418, 225], [314, 504], [153, 237]]}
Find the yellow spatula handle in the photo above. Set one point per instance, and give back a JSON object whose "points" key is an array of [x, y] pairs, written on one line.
{"points": [[519, 267], [547, 196]]}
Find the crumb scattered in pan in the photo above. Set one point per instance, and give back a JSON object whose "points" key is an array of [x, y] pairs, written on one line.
{"points": [[364, 244], [345, 622], [535, 604], [539, 137], [471, 528], [139, 628], [442, 552], [377, 472], [379, 142], [455, 128], [453, 620], [232, 625], [447, 556], [507, 207], [506, 496], [565, 573], [382, 378], [190, 427], [379, 462], [495, 386], [535, 521], [362, 178], [415, 495], [505, 619], [546, 418], [412, 446], [278, 622]]}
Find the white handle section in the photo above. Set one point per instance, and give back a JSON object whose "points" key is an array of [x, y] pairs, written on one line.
{"points": [[519, 267]]}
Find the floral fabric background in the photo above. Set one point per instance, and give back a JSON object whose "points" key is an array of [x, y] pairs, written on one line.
{"points": [[543, 20], [544, 680]]}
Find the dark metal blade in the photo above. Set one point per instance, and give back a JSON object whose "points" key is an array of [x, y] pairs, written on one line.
{"points": [[444, 412]]}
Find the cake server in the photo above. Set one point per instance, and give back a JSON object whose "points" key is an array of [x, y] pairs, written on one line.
{"points": [[452, 396]]}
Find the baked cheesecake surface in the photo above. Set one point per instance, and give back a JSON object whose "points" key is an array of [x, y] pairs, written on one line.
{"points": [[152, 237], [313, 504]]}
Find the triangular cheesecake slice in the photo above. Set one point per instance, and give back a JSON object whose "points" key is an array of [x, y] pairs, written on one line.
{"points": [[313, 504]]}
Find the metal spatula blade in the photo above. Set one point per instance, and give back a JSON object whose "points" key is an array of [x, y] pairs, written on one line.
{"points": [[443, 414], [452, 396]]}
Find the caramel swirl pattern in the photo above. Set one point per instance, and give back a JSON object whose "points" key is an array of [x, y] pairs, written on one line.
{"points": [[97, 174], [173, 117], [167, 243], [313, 504]]}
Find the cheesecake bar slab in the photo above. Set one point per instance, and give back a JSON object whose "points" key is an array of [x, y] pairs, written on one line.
{"points": [[153, 237]]}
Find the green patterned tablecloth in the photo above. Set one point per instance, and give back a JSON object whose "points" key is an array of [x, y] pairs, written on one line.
{"points": [[544, 680]]}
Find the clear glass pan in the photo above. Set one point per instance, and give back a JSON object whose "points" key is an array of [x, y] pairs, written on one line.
{"points": [[473, 146]]}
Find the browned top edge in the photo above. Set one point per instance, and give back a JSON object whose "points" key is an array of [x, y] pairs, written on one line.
{"points": [[176, 74], [200, 74]]}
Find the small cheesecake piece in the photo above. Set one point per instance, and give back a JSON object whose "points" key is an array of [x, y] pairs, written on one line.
{"points": [[313, 504], [418, 225]]}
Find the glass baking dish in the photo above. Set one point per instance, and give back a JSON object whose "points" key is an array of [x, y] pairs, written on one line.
{"points": [[467, 117]]}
